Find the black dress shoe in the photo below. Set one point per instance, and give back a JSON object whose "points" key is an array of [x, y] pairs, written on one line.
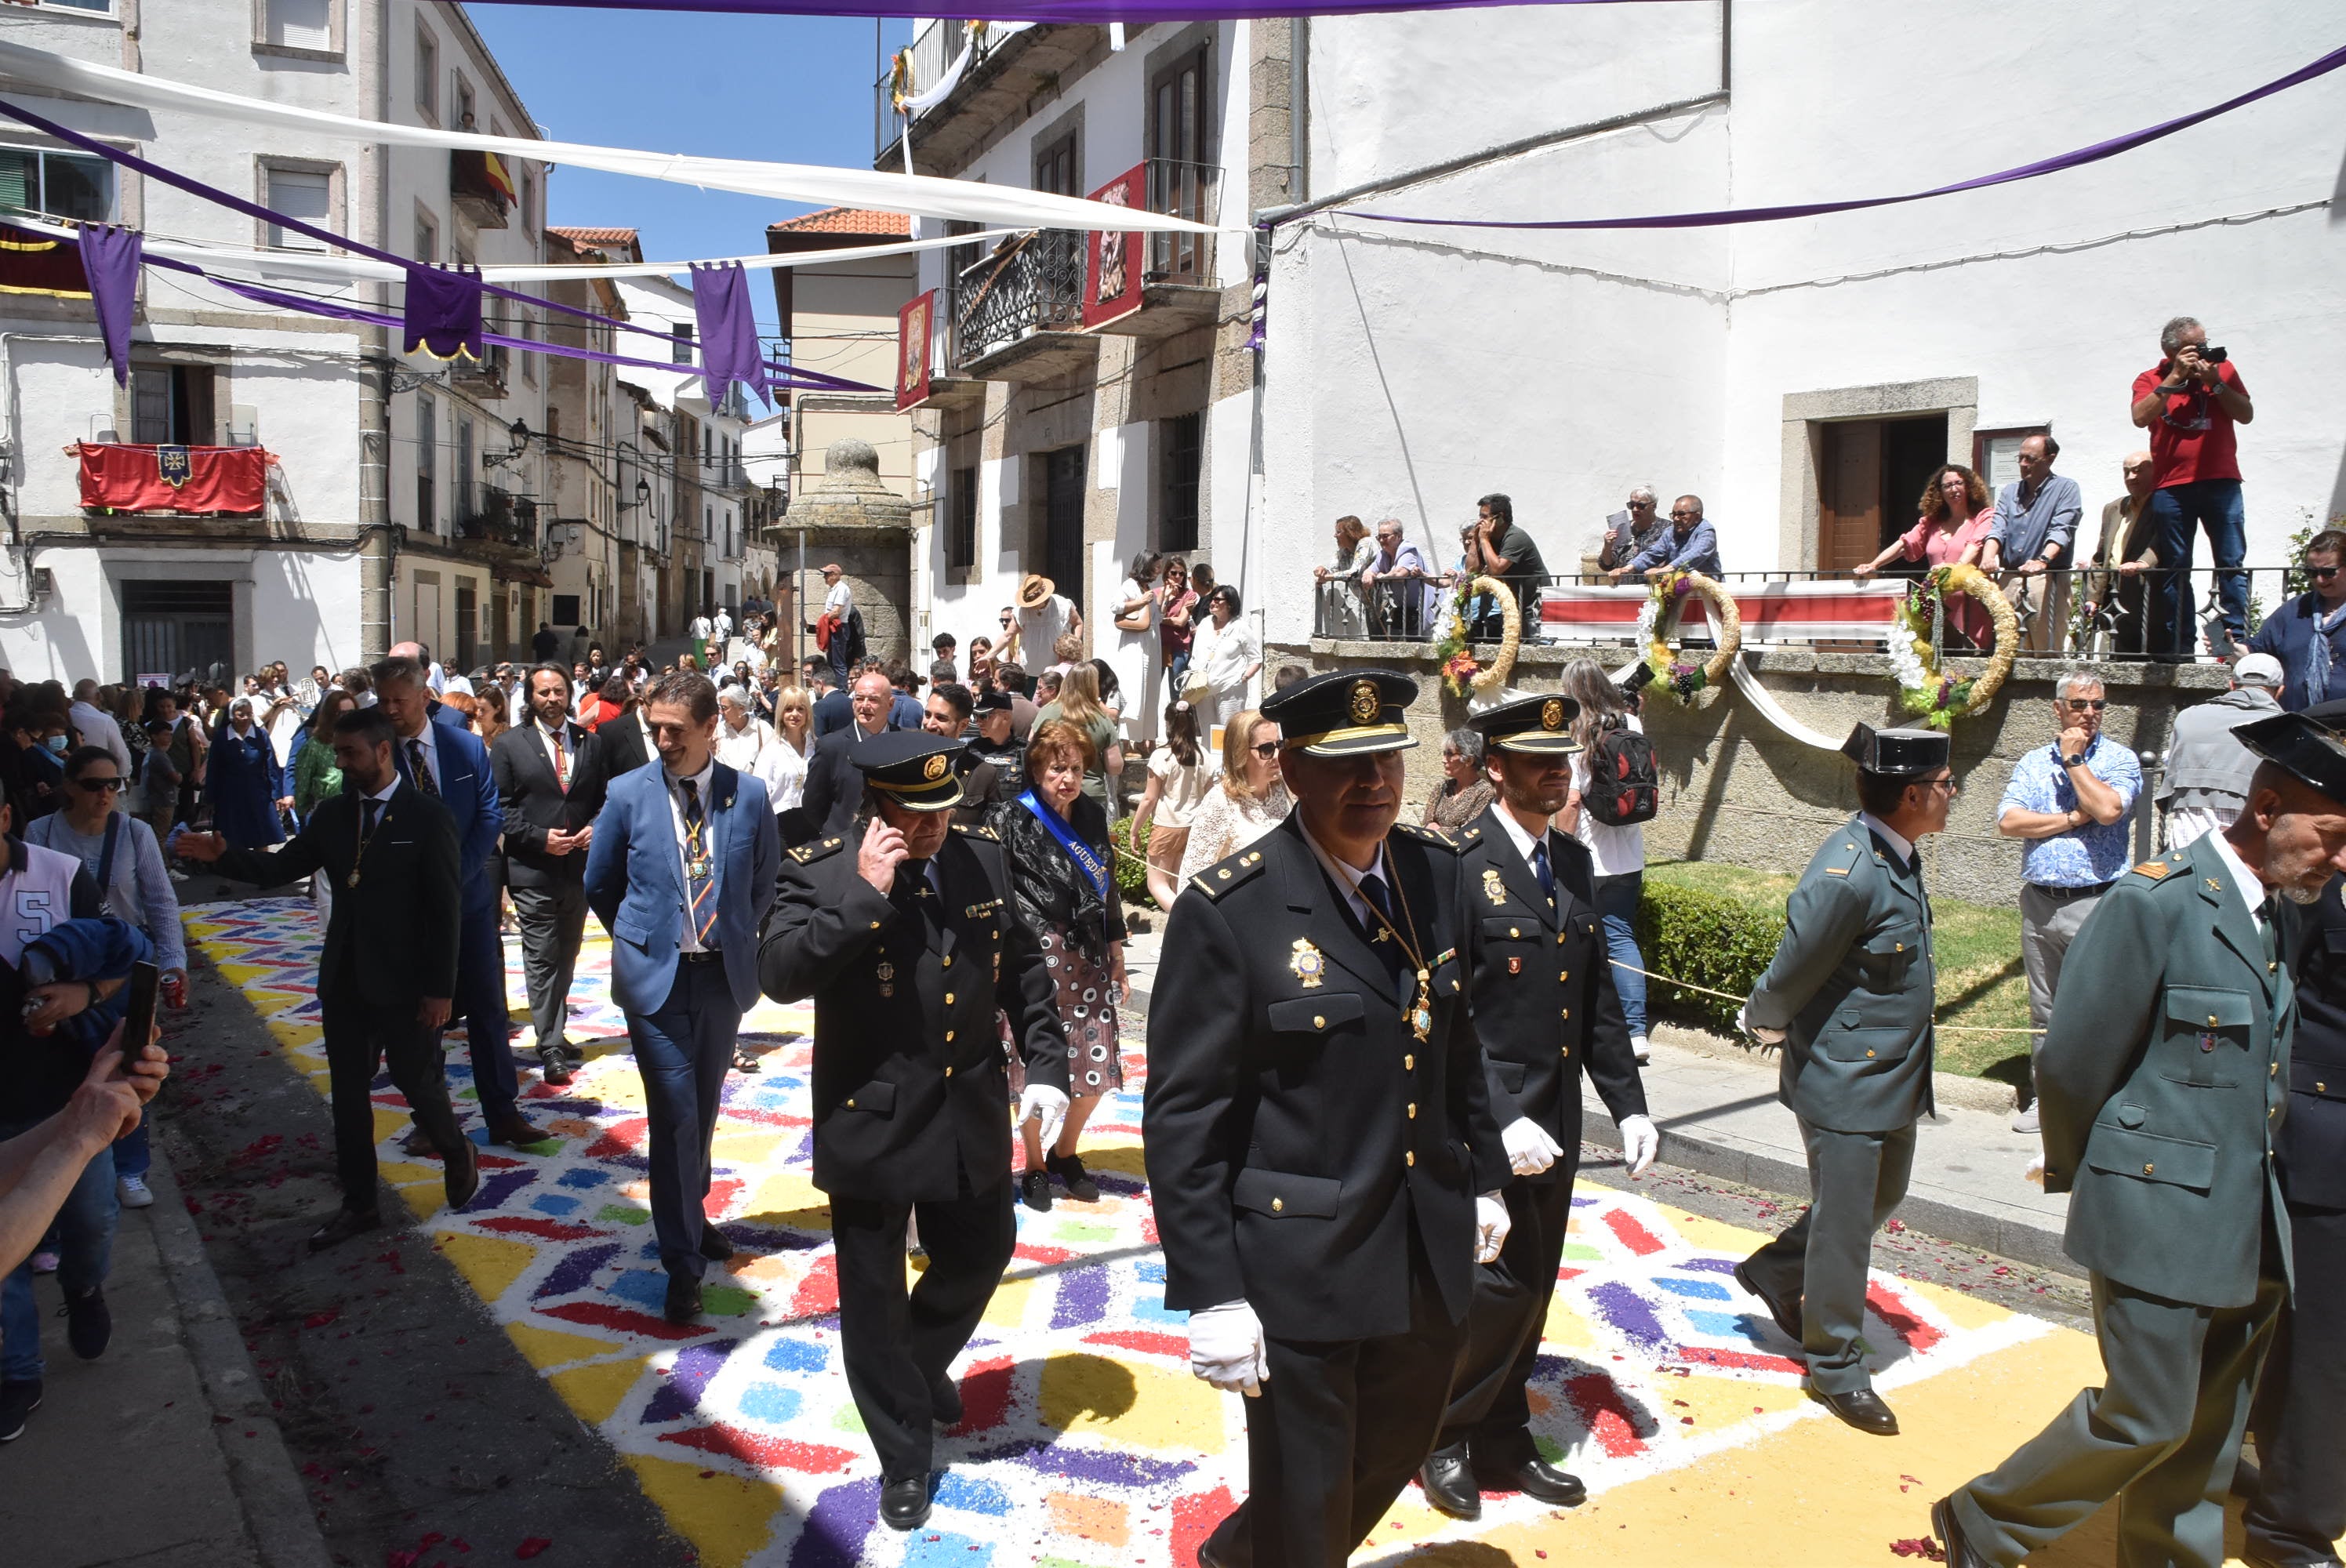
{"points": [[346, 1223], [944, 1402], [1035, 1191], [552, 1065], [714, 1246], [683, 1303], [1787, 1317], [1069, 1168], [905, 1503], [1961, 1553], [1448, 1481], [1534, 1477], [1861, 1408], [462, 1176]]}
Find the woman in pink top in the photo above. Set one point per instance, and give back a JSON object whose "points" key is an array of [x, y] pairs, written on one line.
{"points": [[1956, 511]]}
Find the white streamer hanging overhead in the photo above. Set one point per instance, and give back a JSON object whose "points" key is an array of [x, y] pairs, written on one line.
{"points": [[970, 200]]}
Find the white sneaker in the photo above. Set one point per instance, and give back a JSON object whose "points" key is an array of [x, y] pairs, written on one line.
{"points": [[2026, 1122], [133, 1192], [1640, 1048]]}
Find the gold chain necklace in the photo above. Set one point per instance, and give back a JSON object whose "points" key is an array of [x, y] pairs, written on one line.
{"points": [[1420, 1013]]}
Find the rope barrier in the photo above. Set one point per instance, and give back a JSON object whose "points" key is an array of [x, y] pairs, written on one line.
{"points": [[1723, 996]]}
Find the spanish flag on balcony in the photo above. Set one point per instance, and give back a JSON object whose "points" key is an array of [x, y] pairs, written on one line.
{"points": [[495, 168]]}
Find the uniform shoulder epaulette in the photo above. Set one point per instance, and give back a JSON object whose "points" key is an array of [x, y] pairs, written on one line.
{"points": [[1222, 877], [1843, 853], [978, 831], [1470, 834], [2159, 868], [1428, 835], [808, 854]]}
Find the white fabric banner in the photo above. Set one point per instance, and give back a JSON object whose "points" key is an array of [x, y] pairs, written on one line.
{"points": [[870, 189]]}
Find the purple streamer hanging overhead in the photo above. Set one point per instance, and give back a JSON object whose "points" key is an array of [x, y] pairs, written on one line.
{"points": [[109, 261], [2077, 160], [728, 331], [1097, 13], [443, 315]]}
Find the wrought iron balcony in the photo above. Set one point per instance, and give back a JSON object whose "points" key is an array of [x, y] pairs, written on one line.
{"points": [[1032, 285]]}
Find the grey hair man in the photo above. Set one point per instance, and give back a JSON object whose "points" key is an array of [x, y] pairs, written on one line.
{"points": [[1631, 529], [2068, 804], [2032, 545]]}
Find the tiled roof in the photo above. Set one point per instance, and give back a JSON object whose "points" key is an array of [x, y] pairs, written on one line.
{"points": [[844, 221], [596, 236]]}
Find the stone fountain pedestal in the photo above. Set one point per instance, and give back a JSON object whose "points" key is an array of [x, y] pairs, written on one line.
{"points": [[850, 516]]}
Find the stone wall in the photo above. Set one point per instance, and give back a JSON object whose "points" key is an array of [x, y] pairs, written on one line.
{"points": [[1737, 790]]}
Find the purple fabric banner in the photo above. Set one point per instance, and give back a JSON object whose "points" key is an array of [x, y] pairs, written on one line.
{"points": [[1098, 12], [253, 209], [729, 331], [109, 261], [2077, 160], [443, 315]]}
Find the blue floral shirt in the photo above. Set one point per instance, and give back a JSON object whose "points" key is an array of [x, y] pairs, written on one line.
{"points": [[2088, 853]]}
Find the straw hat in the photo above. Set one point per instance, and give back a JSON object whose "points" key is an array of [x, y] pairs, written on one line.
{"points": [[1034, 591]]}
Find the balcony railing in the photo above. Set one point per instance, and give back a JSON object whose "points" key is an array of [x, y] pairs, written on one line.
{"points": [[2088, 613], [480, 186], [936, 48], [1190, 190], [1033, 283], [501, 518]]}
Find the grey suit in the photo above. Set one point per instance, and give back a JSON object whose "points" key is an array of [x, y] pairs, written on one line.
{"points": [[1850, 984], [2164, 1077]]}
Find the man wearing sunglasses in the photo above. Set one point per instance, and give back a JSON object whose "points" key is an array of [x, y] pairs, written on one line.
{"points": [[2068, 802], [2308, 635]]}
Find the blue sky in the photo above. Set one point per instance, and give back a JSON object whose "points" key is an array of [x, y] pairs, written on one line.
{"points": [[793, 89]]}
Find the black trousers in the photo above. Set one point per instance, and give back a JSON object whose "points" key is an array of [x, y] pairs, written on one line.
{"points": [[361, 1036], [2300, 1414], [553, 922], [1488, 1406], [1337, 1431], [896, 1344]]}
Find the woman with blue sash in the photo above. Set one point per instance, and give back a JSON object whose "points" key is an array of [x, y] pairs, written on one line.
{"points": [[1062, 874]]}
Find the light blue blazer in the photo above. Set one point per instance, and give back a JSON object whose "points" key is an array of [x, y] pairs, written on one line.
{"points": [[635, 882]]}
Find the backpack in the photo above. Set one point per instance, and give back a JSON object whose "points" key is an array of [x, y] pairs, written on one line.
{"points": [[1624, 785]]}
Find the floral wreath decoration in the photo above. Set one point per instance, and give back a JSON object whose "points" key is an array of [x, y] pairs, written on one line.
{"points": [[1916, 658], [1461, 671], [1672, 672]]}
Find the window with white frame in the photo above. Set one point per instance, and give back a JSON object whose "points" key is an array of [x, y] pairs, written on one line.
{"points": [[102, 7], [428, 238], [305, 193], [427, 74], [463, 103], [680, 344], [528, 200], [299, 25], [427, 463], [59, 184]]}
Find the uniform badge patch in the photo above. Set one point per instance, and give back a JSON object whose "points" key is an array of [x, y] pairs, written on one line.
{"points": [[1365, 702], [1493, 888], [1308, 964], [1515, 966], [2153, 869]]}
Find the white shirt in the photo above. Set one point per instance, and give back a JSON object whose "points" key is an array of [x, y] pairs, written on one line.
{"points": [[431, 753], [461, 683], [96, 728], [1348, 880], [561, 751], [2244, 881], [1618, 851], [1899, 843], [699, 628], [1524, 843], [837, 597], [436, 679], [724, 625], [689, 940], [1226, 654], [1042, 626]]}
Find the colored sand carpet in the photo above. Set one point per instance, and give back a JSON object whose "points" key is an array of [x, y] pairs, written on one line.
{"points": [[1085, 1440]]}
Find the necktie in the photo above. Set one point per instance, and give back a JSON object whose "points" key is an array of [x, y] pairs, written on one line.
{"points": [[416, 765], [1541, 869], [368, 807], [2269, 931], [1380, 899], [699, 876], [561, 772]]}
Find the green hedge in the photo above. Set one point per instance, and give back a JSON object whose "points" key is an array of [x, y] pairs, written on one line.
{"points": [[1132, 872], [1716, 936]]}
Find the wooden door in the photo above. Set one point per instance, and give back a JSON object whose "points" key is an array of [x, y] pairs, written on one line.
{"points": [[1849, 510]]}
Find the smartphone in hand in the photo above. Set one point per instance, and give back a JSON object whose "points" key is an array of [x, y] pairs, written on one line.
{"points": [[139, 1017]]}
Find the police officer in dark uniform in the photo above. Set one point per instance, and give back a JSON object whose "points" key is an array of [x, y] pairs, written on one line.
{"points": [[2298, 1508], [2165, 1076], [1547, 1011], [904, 934], [1317, 1128]]}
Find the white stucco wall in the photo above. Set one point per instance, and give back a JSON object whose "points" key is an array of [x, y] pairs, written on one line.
{"points": [[1411, 369]]}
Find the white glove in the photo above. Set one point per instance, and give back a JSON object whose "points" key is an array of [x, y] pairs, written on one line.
{"points": [[1490, 1226], [1640, 1142], [1041, 1102], [1767, 1036], [1227, 1350], [2036, 1171], [1529, 1148]]}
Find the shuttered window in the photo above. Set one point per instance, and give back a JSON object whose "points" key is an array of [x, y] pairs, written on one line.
{"points": [[301, 23], [303, 194]]}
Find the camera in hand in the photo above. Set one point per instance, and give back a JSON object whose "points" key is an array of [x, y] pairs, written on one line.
{"points": [[2215, 356]]}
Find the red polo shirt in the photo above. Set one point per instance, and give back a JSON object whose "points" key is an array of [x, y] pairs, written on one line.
{"points": [[2192, 437]]}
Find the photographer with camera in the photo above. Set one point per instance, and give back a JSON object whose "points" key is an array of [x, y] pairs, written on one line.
{"points": [[2190, 401]]}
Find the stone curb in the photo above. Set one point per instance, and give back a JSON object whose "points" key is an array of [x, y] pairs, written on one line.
{"points": [[268, 1490]]}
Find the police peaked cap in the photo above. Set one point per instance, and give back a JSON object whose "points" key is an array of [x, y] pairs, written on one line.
{"points": [[2303, 746], [1531, 724], [1897, 753], [912, 768], [1344, 713]]}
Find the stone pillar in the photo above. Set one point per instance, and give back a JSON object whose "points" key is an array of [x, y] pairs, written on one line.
{"points": [[850, 516]]}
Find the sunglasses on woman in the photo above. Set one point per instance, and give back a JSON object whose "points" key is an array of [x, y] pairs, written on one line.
{"points": [[1266, 750], [96, 785]]}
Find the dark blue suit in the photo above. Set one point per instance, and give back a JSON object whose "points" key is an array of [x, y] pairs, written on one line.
{"points": [[468, 788], [683, 1009]]}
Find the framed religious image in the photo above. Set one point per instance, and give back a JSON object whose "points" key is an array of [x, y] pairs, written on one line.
{"points": [[912, 323]]}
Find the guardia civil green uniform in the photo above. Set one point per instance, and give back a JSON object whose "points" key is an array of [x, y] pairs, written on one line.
{"points": [[2164, 1078], [1851, 987]]}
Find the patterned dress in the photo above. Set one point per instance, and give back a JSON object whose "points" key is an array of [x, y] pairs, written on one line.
{"points": [[1076, 926]]}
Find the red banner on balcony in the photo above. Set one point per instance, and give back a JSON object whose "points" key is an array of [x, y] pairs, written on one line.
{"points": [[1112, 280], [124, 478], [913, 322], [35, 264]]}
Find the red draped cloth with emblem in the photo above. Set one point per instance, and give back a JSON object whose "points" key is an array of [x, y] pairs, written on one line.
{"points": [[130, 478]]}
